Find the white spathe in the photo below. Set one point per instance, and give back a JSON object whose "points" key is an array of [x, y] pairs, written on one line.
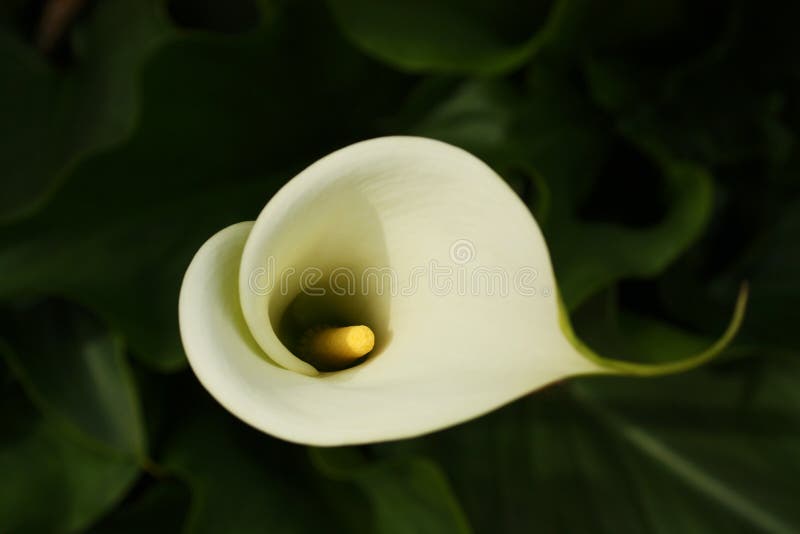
{"points": [[398, 202]]}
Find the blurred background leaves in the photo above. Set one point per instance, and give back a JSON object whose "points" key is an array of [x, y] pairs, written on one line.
{"points": [[654, 142]]}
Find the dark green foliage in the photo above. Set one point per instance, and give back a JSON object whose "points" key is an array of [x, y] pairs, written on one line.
{"points": [[655, 142]]}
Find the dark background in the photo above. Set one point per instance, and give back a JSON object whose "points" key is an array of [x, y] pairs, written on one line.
{"points": [[655, 142]]}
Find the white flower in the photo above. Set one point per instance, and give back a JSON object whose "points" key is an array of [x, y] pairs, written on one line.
{"points": [[443, 232]]}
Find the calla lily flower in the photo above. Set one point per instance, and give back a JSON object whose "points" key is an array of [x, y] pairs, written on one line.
{"points": [[467, 318]]}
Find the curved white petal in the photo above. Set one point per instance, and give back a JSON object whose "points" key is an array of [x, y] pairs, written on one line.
{"points": [[441, 358]]}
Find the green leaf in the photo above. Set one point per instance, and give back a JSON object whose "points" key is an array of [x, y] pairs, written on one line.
{"points": [[707, 451], [773, 268], [224, 17], [691, 106], [63, 117], [592, 256], [769, 262], [407, 494], [76, 373], [719, 421], [50, 482], [659, 32], [161, 509], [477, 115], [447, 36], [241, 480], [128, 269]]}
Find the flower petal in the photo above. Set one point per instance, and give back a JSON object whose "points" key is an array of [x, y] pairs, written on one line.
{"points": [[446, 352], [450, 357]]}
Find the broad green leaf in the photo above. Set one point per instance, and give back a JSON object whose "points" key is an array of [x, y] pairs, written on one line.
{"points": [[477, 115], [51, 482], [592, 256], [730, 439], [11, 12], [773, 268], [128, 269], [5, 374], [448, 36], [770, 264], [407, 494], [241, 480], [77, 373], [225, 17], [224, 121], [712, 450], [658, 32], [162, 508], [60, 117], [688, 110], [692, 107]]}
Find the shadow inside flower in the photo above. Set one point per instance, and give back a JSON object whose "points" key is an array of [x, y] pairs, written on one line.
{"points": [[335, 278]]}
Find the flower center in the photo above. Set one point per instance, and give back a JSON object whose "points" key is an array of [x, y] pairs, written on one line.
{"points": [[332, 331], [336, 348], [327, 272]]}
